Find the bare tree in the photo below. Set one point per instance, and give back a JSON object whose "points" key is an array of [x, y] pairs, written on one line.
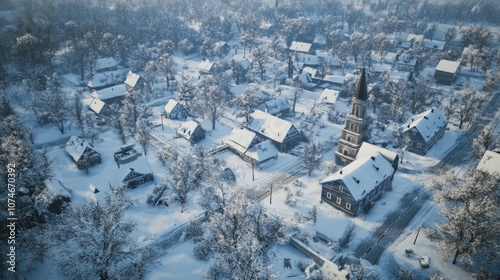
{"points": [[211, 99], [166, 65], [54, 103], [260, 56], [297, 92], [485, 141], [310, 156], [78, 112], [468, 105], [144, 136]]}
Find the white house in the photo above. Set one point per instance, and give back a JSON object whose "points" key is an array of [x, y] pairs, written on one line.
{"points": [[490, 163], [174, 110], [283, 133], [424, 130], [329, 96]]}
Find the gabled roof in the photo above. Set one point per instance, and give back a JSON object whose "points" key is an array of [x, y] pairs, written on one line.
{"points": [[490, 163], [262, 151], [363, 174], [336, 79], [96, 105], [132, 79], [313, 72], [170, 105], [300, 46], [105, 62], [448, 66], [187, 128], [240, 139], [329, 96], [205, 66], [368, 149], [111, 92], [270, 126], [427, 123], [139, 165], [361, 90], [75, 147], [275, 105]]}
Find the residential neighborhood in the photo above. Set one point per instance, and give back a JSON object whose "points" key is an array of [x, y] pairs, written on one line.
{"points": [[332, 139]]}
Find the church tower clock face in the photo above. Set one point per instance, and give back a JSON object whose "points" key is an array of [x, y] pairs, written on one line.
{"points": [[356, 128]]}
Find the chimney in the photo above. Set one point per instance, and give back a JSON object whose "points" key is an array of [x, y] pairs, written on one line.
{"points": [[432, 110], [373, 158]]}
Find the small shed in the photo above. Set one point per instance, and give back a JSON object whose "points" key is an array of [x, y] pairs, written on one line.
{"points": [[446, 71], [134, 81], [490, 163], [191, 131], [174, 110], [302, 47], [205, 67], [329, 96]]}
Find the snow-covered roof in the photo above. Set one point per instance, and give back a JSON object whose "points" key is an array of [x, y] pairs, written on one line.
{"points": [[262, 151], [415, 37], [329, 96], [132, 79], [309, 59], [300, 46], [53, 189], [111, 92], [319, 39], [490, 163], [427, 123], [205, 66], [275, 106], [470, 50], [368, 149], [435, 44], [106, 62], [336, 79], [240, 139], [75, 147], [363, 174], [108, 78], [170, 105], [219, 44], [187, 129], [448, 66], [406, 59], [139, 165], [96, 105], [270, 126], [310, 70], [305, 78]]}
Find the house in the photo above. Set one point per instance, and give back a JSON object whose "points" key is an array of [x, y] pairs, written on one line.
{"points": [[245, 143], [134, 81], [406, 62], [221, 48], [174, 110], [240, 140], [262, 153], [191, 131], [446, 71], [277, 106], [424, 130], [99, 107], [205, 67], [301, 47], [111, 94], [353, 188], [310, 60], [336, 81], [133, 168], [306, 80], [490, 162], [82, 153], [282, 133], [105, 65], [434, 45], [329, 96]]}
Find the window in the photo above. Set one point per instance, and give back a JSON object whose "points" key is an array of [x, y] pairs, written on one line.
{"points": [[414, 132], [346, 152], [348, 206], [341, 188], [339, 200], [328, 195], [419, 145], [348, 138]]}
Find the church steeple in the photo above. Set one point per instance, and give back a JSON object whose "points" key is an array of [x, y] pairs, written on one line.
{"points": [[361, 90], [356, 128]]}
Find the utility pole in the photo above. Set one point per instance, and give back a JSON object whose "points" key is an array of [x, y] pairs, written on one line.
{"points": [[271, 195], [253, 175], [162, 128], [418, 231]]}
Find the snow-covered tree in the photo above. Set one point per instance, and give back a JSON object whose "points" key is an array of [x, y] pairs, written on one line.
{"points": [[310, 156], [469, 102], [144, 136], [484, 141], [239, 239], [211, 99], [167, 66], [98, 240], [260, 56], [78, 112], [55, 103], [246, 104], [185, 93], [297, 92], [470, 208]]}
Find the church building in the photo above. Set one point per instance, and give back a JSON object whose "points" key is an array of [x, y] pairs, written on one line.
{"points": [[357, 127]]}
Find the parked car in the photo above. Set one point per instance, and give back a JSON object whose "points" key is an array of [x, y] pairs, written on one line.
{"points": [[424, 261]]}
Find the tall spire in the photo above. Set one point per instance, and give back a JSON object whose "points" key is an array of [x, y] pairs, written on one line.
{"points": [[361, 90]]}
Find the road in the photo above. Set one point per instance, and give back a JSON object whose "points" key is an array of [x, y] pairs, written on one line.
{"points": [[373, 246]]}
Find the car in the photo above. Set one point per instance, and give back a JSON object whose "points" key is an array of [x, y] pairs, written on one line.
{"points": [[424, 261]]}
